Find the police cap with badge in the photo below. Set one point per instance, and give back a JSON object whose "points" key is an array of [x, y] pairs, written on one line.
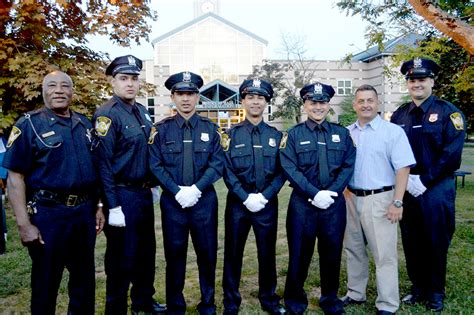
{"points": [[419, 68], [317, 92], [258, 87], [184, 82], [125, 64]]}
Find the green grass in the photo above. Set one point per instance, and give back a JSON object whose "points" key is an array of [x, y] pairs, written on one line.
{"points": [[15, 266]]}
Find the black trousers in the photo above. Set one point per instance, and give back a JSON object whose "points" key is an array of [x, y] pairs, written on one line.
{"points": [[201, 222], [69, 240], [427, 228], [304, 224], [238, 221], [130, 253]]}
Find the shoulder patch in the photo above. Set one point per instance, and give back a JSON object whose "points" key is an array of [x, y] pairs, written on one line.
{"points": [[284, 139], [225, 140], [153, 133], [14, 134], [102, 125], [456, 119]]}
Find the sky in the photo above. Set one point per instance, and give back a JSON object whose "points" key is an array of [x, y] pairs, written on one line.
{"points": [[327, 32]]}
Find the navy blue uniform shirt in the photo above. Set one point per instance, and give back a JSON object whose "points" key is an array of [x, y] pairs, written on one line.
{"points": [[299, 158], [239, 173], [166, 152], [58, 157], [437, 137], [124, 130]]}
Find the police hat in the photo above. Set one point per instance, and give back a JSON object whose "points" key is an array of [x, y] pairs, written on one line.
{"points": [[317, 92], [184, 81], [419, 68], [258, 87], [125, 64]]}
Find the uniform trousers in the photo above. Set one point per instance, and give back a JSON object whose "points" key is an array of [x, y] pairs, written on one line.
{"points": [[130, 253], [304, 224], [367, 224], [238, 221], [200, 221], [427, 228], [69, 240]]}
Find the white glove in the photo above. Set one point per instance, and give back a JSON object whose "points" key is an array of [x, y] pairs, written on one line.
{"points": [[323, 199], [188, 196], [415, 187], [255, 202], [116, 217]]}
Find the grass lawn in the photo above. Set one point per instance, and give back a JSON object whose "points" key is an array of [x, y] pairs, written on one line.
{"points": [[15, 266]]}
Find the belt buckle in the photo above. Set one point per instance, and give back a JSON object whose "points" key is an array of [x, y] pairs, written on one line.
{"points": [[71, 200]]}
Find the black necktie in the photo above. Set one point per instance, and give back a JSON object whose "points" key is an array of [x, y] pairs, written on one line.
{"points": [[258, 159], [188, 171], [416, 138], [139, 118], [323, 158]]}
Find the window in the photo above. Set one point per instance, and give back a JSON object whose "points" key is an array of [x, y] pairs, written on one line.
{"points": [[403, 86], [270, 112], [151, 108], [344, 87]]}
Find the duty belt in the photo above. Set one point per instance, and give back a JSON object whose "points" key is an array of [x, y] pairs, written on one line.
{"points": [[65, 199], [368, 192]]}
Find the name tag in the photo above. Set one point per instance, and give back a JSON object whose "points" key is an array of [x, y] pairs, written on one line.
{"points": [[48, 134], [237, 146], [305, 142]]}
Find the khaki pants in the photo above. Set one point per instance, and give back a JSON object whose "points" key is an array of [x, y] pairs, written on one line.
{"points": [[367, 224]]}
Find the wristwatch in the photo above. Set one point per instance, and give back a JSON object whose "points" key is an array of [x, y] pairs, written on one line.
{"points": [[398, 203]]}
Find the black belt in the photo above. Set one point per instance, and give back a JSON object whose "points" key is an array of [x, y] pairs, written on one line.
{"points": [[363, 192], [134, 184], [65, 199]]}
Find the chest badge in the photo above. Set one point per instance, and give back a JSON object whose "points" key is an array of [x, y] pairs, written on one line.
{"points": [[433, 117], [204, 136], [272, 142], [336, 138]]}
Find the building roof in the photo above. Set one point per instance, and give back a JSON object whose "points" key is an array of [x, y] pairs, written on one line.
{"points": [[390, 48], [202, 18]]}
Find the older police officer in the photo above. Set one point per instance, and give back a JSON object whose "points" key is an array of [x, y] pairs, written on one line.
{"points": [[124, 126], [186, 158], [53, 190], [254, 177], [318, 160], [436, 131]]}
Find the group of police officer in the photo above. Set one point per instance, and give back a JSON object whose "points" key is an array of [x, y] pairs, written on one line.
{"points": [[69, 180]]}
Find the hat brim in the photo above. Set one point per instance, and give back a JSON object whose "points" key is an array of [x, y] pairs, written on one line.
{"points": [[256, 91], [317, 98], [185, 87]]}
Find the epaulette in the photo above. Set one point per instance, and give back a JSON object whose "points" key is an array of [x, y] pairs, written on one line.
{"points": [[164, 120], [105, 108], [404, 104]]}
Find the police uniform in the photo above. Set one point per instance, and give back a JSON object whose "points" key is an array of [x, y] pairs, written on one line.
{"points": [[54, 155], [123, 130], [168, 154], [436, 131], [300, 159], [243, 164]]}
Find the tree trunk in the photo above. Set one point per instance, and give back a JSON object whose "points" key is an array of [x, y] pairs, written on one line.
{"points": [[461, 32]]}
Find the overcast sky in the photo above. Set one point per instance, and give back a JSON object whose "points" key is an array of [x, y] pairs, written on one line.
{"points": [[329, 34]]}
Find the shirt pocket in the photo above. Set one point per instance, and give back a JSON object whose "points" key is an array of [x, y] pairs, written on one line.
{"points": [[49, 143], [201, 153], [434, 134], [336, 152], [171, 151], [241, 157], [269, 158], [306, 152], [131, 135]]}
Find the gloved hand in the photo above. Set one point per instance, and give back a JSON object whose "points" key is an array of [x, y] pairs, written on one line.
{"points": [[255, 202], [415, 187], [116, 217], [188, 196], [323, 199]]}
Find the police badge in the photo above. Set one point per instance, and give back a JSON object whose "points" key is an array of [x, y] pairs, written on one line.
{"points": [[318, 89], [417, 62], [186, 76], [131, 61], [256, 83]]}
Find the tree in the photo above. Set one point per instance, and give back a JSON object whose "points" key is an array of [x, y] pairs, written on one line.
{"points": [[390, 19], [288, 76], [38, 36]]}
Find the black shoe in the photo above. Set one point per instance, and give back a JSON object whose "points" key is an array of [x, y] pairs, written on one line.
{"points": [[276, 310], [385, 313], [339, 312], [411, 299], [435, 306], [347, 300], [156, 308]]}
